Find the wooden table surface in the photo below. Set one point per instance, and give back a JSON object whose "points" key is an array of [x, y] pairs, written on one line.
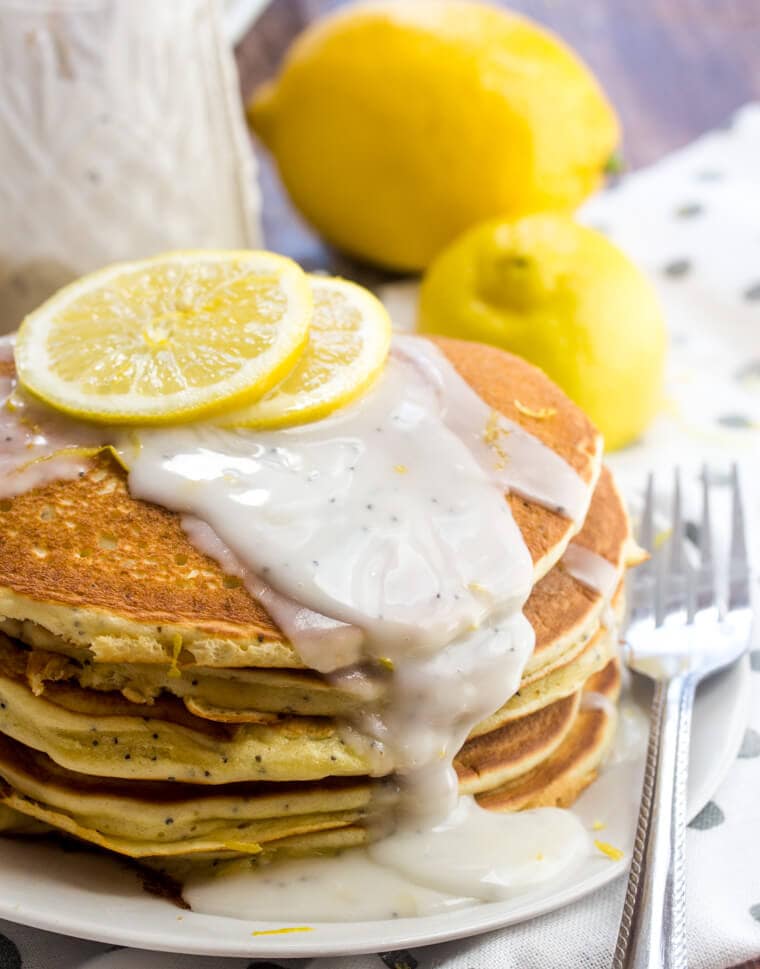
{"points": [[673, 69]]}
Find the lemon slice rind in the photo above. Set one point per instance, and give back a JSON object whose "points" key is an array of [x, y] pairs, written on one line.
{"points": [[349, 326]]}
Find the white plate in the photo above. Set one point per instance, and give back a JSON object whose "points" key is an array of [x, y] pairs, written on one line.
{"points": [[94, 898]]}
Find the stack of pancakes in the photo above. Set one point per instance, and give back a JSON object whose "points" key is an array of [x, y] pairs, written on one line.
{"points": [[150, 706]]}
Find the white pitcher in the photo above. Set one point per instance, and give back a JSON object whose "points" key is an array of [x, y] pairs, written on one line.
{"points": [[121, 135]]}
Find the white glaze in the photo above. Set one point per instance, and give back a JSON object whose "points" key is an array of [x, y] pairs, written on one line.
{"points": [[591, 569], [517, 460], [379, 516], [389, 518], [308, 629], [475, 856], [33, 436], [486, 855], [350, 887]]}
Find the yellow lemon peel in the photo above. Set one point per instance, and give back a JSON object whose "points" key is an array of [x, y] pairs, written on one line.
{"points": [[537, 413], [607, 849], [348, 343]]}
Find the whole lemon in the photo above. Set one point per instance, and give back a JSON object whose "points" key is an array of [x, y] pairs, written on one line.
{"points": [[565, 298], [396, 125]]}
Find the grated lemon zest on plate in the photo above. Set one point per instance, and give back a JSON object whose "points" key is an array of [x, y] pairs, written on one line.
{"points": [[284, 931], [607, 849], [597, 826]]}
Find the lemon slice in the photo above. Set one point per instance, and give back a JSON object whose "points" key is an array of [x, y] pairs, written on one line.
{"points": [[348, 344], [167, 339]]}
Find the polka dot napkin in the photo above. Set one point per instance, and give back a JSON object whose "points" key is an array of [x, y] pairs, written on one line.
{"points": [[693, 222]]}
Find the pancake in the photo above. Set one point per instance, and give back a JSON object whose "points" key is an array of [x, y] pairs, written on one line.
{"points": [[59, 696], [13, 822], [151, 707], [558, 683], [549, 757], [574, 764], [138, 747], [156, 819], [222, 840], [515, 388], [73, 557], [562, 609], [564, 612], [511, 750]]}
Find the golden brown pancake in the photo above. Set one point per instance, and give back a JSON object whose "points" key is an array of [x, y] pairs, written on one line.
{"points": [[551, 756], [492, 758], [574, 764], [560, 607], [153, 687]]}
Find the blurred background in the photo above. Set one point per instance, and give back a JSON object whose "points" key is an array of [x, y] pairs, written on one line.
{"points": [[672, 68], [473, 163]]}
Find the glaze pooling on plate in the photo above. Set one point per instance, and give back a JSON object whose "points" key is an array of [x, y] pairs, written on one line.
{"points": [[473, 856]]}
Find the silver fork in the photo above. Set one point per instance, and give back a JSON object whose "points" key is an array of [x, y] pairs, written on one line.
{"points": [[682, 629]]}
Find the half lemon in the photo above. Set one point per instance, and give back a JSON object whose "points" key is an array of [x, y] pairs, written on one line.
{"points": [[348, 344], [180, 336]]}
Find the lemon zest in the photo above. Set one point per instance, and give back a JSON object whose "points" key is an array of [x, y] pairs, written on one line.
{"points": [[661, 537], [607, 849], [538, 413], [492, 435], [174, 671], [284, 931], [249, 847], [400, 468], [598, 826]]}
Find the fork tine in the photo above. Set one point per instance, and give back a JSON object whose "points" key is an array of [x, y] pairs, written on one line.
{"points": [[738, 563], [661, 584], [677, 555], [706, 596], [646, 529], [643, 578], [673, 575], [705, 531]]}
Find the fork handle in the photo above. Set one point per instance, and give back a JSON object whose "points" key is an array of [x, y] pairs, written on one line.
{"points": [[653, 924]]}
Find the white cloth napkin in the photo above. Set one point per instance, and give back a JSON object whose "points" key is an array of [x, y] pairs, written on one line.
{"points": [[693, 222]]}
